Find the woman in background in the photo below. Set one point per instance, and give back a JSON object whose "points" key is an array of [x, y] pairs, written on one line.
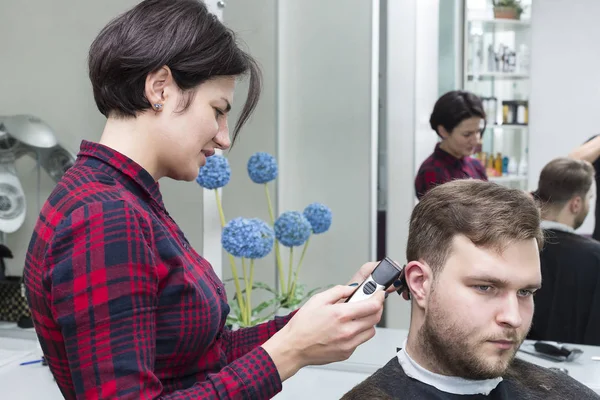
{"points": [[458, 119], [123, 306]]}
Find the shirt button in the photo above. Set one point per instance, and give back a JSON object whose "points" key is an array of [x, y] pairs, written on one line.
{"points": [[219, 290]]}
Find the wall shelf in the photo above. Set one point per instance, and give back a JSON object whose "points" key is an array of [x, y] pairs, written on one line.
{"points": [[508, 179], [500, 25], [498, 75]]}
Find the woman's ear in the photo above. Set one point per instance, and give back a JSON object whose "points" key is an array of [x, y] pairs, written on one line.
{"points": [[419, 278], [443, 132], [156, 84]]}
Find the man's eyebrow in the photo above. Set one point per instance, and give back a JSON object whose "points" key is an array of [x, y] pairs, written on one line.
{"points": [[498, 282]]}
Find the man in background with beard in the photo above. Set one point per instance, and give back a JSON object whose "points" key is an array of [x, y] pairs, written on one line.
{"points": [[473, 252], [567, 308]]}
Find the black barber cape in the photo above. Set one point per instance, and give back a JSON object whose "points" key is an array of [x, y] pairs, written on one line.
{"points": [[523, 381], [567, 307]]}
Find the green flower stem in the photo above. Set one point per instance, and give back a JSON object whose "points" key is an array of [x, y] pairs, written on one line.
{"points": [[249, 290], [291, 268], [283, 288], [244, 269], [293, 289], [238, 290]]}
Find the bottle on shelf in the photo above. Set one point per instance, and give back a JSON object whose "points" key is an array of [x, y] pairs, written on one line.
{"points": [[522, 169], [498, 164], [512, 166]]}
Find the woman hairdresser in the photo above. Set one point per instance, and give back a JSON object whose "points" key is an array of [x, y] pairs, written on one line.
{"points": [[123, 307], [457, 118]]}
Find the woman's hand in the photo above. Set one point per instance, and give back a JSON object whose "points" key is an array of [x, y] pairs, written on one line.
{"points": [[325, 329], [366, 270]]}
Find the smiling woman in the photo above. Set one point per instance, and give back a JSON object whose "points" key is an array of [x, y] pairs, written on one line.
{"points": [[459, 120], [122, 305]]}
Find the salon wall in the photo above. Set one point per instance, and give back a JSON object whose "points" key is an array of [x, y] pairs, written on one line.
{"points": [[326, 140], [256, 27], [565, 82], [43, 50], [412, 89]]}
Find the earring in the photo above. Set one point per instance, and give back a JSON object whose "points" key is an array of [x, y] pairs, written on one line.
{"points": [[158, 106]]}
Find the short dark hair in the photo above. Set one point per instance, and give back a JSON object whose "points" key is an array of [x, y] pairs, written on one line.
{"points": [[488, 214], [181, 34], [453, 108], [562, 179]]}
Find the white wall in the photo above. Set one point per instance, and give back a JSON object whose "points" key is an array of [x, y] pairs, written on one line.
{"points": [[565, 82], [43, 72], [256, 25], [325, 132], [412, 89]]}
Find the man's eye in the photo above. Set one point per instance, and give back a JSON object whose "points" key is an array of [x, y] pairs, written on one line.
{"points": [[526, 292], [483, 288]]}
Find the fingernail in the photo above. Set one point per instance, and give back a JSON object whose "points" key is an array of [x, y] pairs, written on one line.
{"points": [[353, 284], [397, 283]]}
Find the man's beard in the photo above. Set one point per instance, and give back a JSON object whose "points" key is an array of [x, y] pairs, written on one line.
{"points": [[455, 351]]}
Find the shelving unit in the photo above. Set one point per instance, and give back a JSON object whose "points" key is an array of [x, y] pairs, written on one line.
{"points": [[496, 67]]}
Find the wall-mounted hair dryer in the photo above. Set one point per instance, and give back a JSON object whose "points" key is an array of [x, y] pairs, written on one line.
{"points": [[26, 135]]}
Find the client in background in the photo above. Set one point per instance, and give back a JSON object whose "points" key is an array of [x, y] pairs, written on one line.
{"points": [[567, 308]]}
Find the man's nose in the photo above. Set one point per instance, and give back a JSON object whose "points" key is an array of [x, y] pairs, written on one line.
{"points": [[510, 313]]}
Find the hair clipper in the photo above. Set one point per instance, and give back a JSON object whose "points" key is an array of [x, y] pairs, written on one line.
{"points": [[383, 276]]}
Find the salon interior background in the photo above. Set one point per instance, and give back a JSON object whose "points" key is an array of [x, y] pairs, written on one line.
{"points": [[349, 85]]}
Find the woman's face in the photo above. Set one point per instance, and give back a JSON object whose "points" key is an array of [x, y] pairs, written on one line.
{"points": [[464, 138], [184, 139]]}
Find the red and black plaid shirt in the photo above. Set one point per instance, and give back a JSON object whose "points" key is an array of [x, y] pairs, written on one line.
{"points": [[123, 307], [441, 167]]}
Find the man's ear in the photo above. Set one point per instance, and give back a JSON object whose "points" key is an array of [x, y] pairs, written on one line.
{"points": [[419, 278], [576, 205]]}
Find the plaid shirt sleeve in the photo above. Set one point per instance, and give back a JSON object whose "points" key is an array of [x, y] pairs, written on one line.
{"points": [[244, 340], [103, 293]]}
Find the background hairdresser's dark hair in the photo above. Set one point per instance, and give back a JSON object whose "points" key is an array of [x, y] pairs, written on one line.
{"points": [[453, 108], [180, 34]]}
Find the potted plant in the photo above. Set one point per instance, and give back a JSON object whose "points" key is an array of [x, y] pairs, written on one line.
{"points": [[247, 240], [507, 9]]}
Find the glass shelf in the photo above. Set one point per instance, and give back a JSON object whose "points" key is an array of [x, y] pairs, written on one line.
{"points": [[498, 75], [496, 61], [499, 25], [508, 179]]}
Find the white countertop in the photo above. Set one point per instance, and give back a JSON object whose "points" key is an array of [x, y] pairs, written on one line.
{"points": [[333, 380], [33, 382]]}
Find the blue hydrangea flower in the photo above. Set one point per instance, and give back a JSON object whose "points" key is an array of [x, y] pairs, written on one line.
{"points": [[215, 173], [248, 238], [319, 216], [262, 167], [292, 229]]}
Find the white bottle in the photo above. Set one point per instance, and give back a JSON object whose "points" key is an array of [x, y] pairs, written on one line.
{"points": [[512, 166], [522, 170]]}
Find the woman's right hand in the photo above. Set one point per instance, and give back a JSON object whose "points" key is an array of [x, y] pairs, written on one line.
{"points": [[324, 330]]}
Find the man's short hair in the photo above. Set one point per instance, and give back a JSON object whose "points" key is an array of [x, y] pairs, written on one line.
{"points": [[488, 214], [562, 179]]}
